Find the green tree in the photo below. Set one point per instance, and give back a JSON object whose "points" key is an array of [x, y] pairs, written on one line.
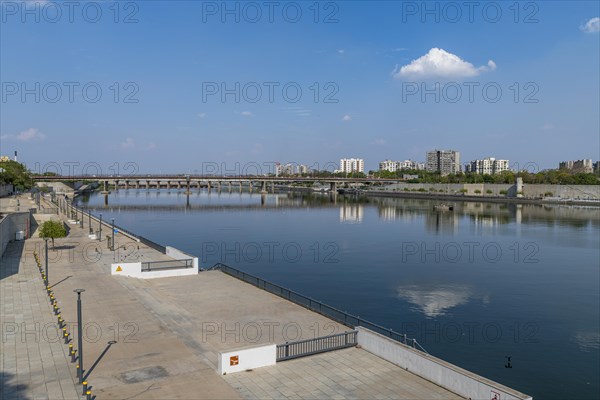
{"points": [[16, 174], [52, 230]]}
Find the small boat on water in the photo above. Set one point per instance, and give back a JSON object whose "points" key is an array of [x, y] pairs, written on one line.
{"points": [[443, 207]]}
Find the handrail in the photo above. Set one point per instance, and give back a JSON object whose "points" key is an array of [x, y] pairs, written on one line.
{"points": [[330, 312]]}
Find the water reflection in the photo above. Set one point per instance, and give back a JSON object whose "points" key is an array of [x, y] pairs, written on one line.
{"points": [[436, 301], [483, 215], [351, 213], [587, 341]]}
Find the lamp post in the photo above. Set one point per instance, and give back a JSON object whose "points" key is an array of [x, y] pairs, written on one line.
{"points": [[46, 263], [79, 334], [100, 229], [90, 221], [112, 241]]}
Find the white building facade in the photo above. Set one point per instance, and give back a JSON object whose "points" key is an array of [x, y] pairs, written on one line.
{"points": [[350, 165]]}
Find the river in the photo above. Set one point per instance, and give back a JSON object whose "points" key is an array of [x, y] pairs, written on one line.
{"points": [[511, 292]]}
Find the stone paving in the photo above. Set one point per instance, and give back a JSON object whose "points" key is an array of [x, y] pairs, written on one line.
{"points": [[33, 360], [344, 374]]}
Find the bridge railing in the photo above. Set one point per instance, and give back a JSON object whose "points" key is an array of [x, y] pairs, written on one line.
{"points": [[314, 305]]}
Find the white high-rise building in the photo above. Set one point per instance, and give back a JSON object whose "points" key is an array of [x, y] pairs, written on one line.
{"points": [[388, 165], [488, 166], [350, 165], [393, 166]]}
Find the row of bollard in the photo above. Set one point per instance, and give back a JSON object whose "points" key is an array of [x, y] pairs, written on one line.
{"points": [[62, 326]]}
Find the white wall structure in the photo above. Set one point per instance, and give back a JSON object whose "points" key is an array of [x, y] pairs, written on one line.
{"points": [[180, 255], [134, 270], [442, 373], [247, 358]]}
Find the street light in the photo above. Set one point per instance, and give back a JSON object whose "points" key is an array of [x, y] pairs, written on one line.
{"points": [[112, 241], [100, 229], [79, 334], [46, 263]]}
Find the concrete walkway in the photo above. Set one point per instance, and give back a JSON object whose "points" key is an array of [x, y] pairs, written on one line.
{"points": [[169, 331], [344, 374], [33, 358]]}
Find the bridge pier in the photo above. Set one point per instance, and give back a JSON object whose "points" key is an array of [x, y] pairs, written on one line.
{"points": [[240, 186], [105, 188], [147, 185], [126, 184], [332, 186], [250, 186], [209, 187], [263, 187]]}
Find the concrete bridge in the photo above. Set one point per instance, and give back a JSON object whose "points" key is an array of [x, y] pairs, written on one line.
{"points": [[208, 181]]}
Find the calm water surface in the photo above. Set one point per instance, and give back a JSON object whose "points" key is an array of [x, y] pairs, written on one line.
{"points": [[473, 286]]}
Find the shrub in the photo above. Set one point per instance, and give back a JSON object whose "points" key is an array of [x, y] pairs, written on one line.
{"points": [[504, 192], [489, 191], [52, 230], [477, 191]]}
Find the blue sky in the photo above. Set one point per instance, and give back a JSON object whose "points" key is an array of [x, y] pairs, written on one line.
{"points": [[362, 76]]}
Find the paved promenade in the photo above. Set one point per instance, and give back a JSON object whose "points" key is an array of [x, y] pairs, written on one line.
{"points": [[33, 361], [169, 331]]}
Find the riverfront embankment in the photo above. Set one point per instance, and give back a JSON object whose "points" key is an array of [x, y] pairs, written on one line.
{"points": [[488, 199], [160, 338]]}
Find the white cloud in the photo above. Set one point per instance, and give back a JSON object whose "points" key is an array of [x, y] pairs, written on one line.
{"points": [[246, 113], [438, 63], [129, 143], [201, 115], [380, 142], [26, 136], [592, 26], [399, 49], [347, 118], [341, 51], [151, 146]]}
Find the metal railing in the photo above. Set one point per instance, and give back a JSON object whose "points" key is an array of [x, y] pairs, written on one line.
{"points": [[168, 264], [333, 313], [107, 225], [303, 348]]}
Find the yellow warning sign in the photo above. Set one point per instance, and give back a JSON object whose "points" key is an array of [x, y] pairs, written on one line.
{"points": [[119, 269]]}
